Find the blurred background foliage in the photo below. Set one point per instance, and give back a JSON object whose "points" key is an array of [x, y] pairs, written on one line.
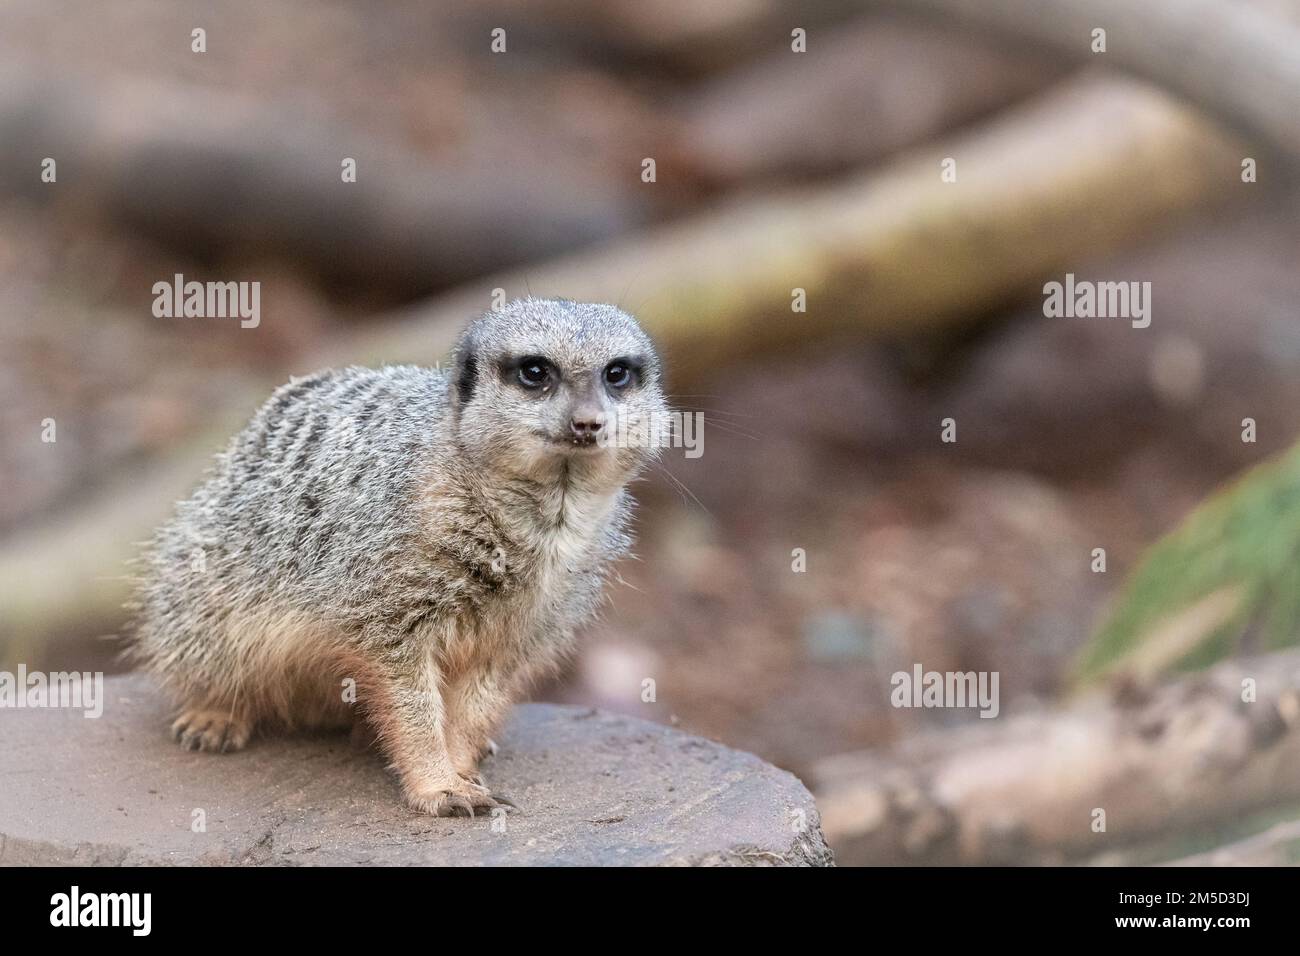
{"points": [[1226, 581]]}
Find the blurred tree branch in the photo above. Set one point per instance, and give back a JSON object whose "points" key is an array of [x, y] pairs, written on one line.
{"points": [[1238, 61], [225, 176], [875, 86]]}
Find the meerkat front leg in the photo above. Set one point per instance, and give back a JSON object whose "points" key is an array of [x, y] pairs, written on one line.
{"points": [[409, 716], [476, 703]]}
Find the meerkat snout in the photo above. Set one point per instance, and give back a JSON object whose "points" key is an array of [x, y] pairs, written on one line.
{"points": [[586, 426], [588, 415], [407, 547]]}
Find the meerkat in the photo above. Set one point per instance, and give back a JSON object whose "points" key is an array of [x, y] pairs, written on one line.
{"points": [[430, 538]]}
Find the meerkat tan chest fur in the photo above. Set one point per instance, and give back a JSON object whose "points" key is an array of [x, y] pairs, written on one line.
{"points": [[407, 547]]}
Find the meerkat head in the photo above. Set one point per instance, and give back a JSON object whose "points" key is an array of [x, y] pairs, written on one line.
{"points": [[541, 386]]}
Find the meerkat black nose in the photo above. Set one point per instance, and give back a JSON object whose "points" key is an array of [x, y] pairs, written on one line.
{"points": [[586, 427]]}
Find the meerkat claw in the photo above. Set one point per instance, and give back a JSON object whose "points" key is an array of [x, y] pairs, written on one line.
{"points": [[455, 805], [211, 730]]}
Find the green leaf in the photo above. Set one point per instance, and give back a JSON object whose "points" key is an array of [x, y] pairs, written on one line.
{"points": [[1230, 569]]}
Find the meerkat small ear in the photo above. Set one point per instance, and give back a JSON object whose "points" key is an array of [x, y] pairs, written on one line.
{"points": [[466, 375]]}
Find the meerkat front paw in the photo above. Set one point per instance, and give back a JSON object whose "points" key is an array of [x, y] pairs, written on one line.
{"points": [[216, 731], [463, 798], [489, 749], [501, 799]]}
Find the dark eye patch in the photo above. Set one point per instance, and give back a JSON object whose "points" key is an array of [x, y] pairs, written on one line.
{"points": [[532, 372], [468, 377], [624, 372]]}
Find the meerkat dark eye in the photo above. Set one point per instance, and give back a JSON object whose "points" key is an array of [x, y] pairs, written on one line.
{"points": [[534, 372], [618, 375]]}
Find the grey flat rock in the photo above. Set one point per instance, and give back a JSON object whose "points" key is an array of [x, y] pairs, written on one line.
{"points": [[594, 789]]}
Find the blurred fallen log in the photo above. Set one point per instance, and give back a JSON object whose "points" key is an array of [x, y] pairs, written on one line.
{"points": [[219, 176], [677, 36], [1239, 60], [896, 252], [874, 86], [1026, 790]]}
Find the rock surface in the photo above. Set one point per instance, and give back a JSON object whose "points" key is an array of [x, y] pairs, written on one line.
{"points": [[593, 789]]}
